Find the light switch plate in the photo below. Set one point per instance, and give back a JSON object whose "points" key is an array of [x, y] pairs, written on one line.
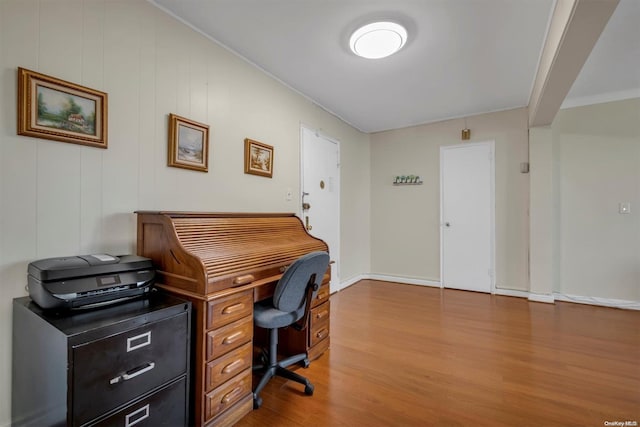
{"points": [[289, 194], [624, 207]]}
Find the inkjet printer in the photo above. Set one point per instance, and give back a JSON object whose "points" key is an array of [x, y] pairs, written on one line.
{"points": [[88, 280]]}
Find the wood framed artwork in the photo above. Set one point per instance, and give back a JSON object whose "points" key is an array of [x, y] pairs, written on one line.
{"points": [[55, 109], [258, 158], [188, 144]]}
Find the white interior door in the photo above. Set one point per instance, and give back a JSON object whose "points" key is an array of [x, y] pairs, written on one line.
{"points": [[467, 216], [321, 194]]}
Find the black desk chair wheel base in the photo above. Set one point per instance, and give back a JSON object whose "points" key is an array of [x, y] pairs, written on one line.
{"points": [[289, 306]]}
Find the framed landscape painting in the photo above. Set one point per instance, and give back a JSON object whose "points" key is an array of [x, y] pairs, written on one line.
{"points": [[188, 144], [55, 109], [258, 158]]}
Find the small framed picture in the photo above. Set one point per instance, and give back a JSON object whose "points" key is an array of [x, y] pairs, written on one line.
{"points": [[188, 144], [258, 158], [51, 108]]}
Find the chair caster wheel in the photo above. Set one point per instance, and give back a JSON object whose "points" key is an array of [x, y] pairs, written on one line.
{"points": [[305, 363], [257, 402], [308, 390]]}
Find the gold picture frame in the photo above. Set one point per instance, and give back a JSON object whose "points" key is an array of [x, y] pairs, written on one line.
{"points": [[258, 158], [188, 144], [55, 109]]}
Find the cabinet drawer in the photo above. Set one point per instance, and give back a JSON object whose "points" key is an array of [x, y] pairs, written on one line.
{"points": [[319, 314], [319, 334], [166, 407], [319, 324], [227, 366], [109, 372], [227, 394], [225, 339], [321, 296], [225, 310]]}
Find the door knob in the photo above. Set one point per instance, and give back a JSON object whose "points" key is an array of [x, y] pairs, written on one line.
{"points": [[446, 224]]}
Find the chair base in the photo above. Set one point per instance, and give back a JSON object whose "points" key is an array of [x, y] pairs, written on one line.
{"points": [[273, 367]]}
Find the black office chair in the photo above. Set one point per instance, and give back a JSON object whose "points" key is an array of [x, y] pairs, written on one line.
{"points": [[289, 306]]}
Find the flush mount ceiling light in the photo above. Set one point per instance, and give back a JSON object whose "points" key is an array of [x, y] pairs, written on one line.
{"points": [[378, 40]]}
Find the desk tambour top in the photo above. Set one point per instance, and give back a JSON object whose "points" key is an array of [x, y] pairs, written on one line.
{"points": [[203, 253]]}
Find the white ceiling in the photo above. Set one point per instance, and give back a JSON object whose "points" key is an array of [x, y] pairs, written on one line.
{"points": [[463, 57]]}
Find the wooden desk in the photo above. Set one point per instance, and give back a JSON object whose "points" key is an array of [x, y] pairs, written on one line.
{"points": [[223, 345], [223, 263]]}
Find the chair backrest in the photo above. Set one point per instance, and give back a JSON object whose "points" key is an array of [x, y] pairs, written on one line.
{"points": [[291, 289]]}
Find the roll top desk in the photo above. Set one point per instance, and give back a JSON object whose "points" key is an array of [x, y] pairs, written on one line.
{"points": [[223, 263]]}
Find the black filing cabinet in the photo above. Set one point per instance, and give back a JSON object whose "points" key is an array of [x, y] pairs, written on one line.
{"points": [[124, 365]]}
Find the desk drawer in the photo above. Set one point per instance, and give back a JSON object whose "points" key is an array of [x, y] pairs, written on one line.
{"points": [[319, 334], [166, 407], [227, 366], [225, 339], [225, 396], [225, 310], [319, 323], [321, 296], [110, 372], [319, 314]]}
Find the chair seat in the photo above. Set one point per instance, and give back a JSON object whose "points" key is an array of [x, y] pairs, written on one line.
{"points": [[267, 317]]}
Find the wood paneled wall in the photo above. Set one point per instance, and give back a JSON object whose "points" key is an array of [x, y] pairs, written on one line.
{"points": [[61, 199]]}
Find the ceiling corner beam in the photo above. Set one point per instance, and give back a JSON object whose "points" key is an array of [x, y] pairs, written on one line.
{"points": [[573, 31]]}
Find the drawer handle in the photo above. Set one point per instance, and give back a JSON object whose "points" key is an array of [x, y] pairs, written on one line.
{"points": [[243, 280], [138, 341], [321, 314], [233, 308], [321, 295], [231, 395], [133, 373], [322, 333], [233, 366], [232, 338], [137, 416]]}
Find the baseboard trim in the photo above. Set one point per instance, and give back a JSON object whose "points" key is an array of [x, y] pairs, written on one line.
{"points": [[403, 280], [511, 293], [604, 302], [388, 278], [352, 281], [546, 298], [533, 297]]}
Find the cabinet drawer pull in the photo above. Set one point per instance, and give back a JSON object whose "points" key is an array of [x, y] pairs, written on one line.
{"points": [[136, 416], [322, 333], [133, 373], [243, 280], [233, 366], [321, 314], [233, 308], [231, 395], [232, 338], [138, 341]]}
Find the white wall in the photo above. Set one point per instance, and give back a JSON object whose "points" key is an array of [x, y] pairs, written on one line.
{"points": [[596, 153], [62, 199], [405, 219]]}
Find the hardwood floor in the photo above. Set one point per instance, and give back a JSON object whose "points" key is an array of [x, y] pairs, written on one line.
{"points": [[405, 355]]}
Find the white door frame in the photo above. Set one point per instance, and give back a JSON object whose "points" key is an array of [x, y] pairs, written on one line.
{"points": [[492, 203], [337, 259]]}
